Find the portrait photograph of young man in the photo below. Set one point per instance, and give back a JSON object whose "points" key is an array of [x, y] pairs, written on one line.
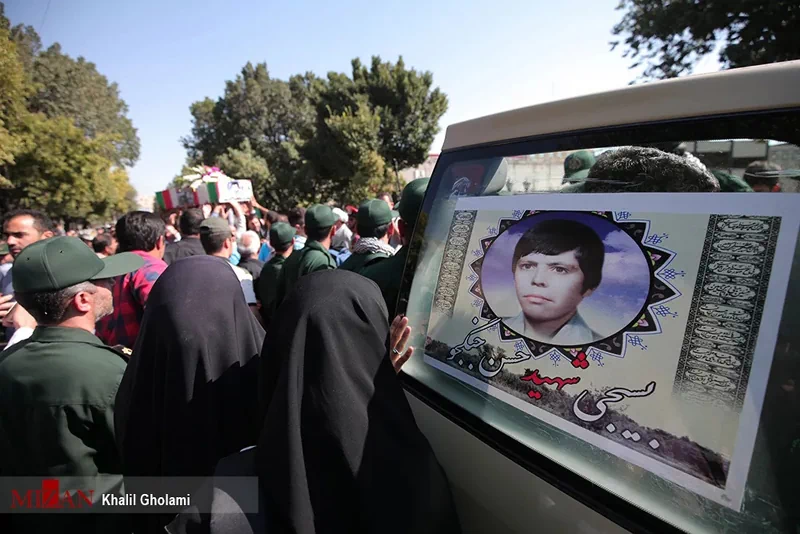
{"points": [[565, 279]]}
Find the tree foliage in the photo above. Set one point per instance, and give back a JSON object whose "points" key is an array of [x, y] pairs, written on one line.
{"points": [[67, 87], [668, 37], [64, 134], [408, 107], [61, 171], [312, 139]]}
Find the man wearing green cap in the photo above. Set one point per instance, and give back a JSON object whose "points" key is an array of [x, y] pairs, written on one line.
{"points": [[320, 226], [57, 388], [374, 220], [281, 237], [219, 240], [388, 273], [576, 166]]}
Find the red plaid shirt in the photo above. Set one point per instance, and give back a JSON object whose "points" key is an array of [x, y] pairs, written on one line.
{"points": [[130, 295]]}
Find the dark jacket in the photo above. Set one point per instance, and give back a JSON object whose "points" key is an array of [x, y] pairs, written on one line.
{"points": [[252, 266], [267, 286], [188, 246], [358, 262], [388, 274], [311, 258], [57, 391]]}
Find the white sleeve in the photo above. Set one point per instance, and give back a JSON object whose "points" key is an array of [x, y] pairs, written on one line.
{"points": [[249, 292], [20, 334]]}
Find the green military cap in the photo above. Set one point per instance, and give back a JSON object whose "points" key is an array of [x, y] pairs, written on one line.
{"points": [[320, 216], [411, 199], [281, 234], [3, 248], [373, 213], [215, 226], [730, 183], [60, 262], [577, 165]]}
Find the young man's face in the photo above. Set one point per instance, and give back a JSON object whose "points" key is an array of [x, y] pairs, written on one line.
{"points": [[20, 232], [549, 287]]}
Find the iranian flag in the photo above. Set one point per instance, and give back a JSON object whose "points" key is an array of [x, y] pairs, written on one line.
{"points": [[167, 199]]}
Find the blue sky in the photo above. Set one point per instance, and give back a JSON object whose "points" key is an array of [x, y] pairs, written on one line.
{"points": [[488, 57]]}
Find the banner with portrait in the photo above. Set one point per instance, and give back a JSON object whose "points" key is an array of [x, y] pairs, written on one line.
{"points": [[643, 326]]}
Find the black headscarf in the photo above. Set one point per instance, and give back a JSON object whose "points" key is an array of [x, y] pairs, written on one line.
{"points": [[340, 450], [190, 393]]}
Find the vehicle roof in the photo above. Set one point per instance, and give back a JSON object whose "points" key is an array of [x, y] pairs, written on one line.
{"points": [[745, 89]]}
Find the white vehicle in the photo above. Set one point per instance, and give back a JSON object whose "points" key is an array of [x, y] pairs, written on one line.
{"points": [[713, 444]]}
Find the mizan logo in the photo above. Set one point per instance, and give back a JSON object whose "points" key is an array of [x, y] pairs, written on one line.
{"points": [[50, 496]]}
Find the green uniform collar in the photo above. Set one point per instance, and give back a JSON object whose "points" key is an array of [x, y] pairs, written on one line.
{"points": [[316, 245], [277, 259], [60, 334]]}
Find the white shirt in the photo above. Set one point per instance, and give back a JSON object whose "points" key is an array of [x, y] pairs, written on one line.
{"points": [[246, 283], [342, 239], [574, 332]]}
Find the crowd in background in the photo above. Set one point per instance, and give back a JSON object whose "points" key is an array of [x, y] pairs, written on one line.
{"points": [[200, 342], [233, 340]]}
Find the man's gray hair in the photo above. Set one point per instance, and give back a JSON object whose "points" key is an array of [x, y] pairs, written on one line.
{"points": [[49, 307], [249, 244]]}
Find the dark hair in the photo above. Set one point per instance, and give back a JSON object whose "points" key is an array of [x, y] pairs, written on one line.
{"points": [[100, 242], [49, 307], [385, 194], [556, 236], [762, 173], [273, 217], [41, 222], [212, 243], [284, 248], [139, 230], [297, 216], [190, 221], [318, 234], [378, 232]]}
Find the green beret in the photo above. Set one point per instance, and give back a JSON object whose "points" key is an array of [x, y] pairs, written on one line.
{"points": [[411, 199], [320, 216], [281, 234]]}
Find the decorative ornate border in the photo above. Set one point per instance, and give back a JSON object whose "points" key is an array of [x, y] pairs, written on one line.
{"points": [[455, 252], [727, 306], [579, 356]]}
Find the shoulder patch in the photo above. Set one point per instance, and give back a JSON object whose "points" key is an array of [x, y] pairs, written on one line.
{"points": [[123, 351]]}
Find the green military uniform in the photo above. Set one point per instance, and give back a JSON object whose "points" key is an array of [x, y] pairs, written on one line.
{"points": [[372, 214], [58, 387], [388, 274], [358, 262], [730, 183], [281, 235], [57, 391], [312, 257]]}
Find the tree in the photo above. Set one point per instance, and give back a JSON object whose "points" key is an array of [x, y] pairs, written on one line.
{"points": [[13, 91], [316, 139], [408, 107], [256, 107], [63, 132], [61, 171], [344, 152], [66, 87], [669, 36]]}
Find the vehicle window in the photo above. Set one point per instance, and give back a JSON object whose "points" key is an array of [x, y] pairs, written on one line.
{"points": [[623, 303]]}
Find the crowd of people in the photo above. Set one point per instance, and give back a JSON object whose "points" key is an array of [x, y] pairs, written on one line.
{"points": [[218, 341], [231, 340]]}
